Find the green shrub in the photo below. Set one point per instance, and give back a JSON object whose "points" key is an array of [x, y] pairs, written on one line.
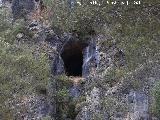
{"points": [[20, 73]]}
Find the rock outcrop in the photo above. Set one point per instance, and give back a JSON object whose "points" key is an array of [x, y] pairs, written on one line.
{"points": [[95, 71]]}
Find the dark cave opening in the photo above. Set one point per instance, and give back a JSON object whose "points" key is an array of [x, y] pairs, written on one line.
{"points": [[72, 55]]}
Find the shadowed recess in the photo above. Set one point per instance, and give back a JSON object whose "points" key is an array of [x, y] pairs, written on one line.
{"points": [[72, 55]]}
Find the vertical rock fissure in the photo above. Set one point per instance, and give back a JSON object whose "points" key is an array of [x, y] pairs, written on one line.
{"points": [[72, 56]]}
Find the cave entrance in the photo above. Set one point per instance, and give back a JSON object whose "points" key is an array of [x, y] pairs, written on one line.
{"points": [[72, 55]]}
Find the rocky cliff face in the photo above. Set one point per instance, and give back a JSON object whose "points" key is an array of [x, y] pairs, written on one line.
{"points": [[96, 72], [121, 98]]}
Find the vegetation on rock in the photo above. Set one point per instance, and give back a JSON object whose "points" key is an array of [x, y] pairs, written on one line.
{"points": [[24, 70], [21, 69]]}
